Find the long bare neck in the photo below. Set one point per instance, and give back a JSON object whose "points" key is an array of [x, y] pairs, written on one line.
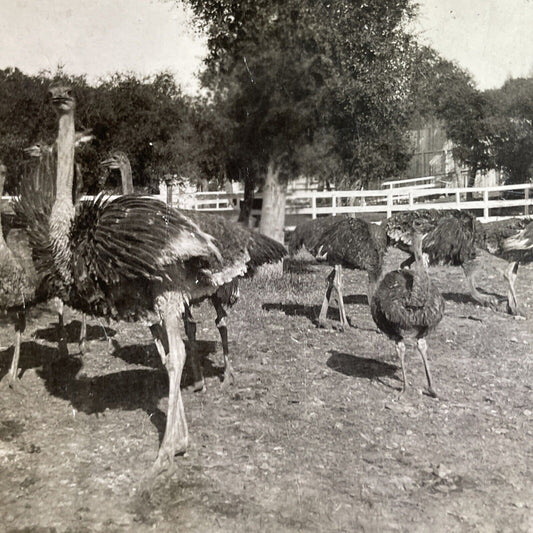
{"points": [[2, 180], [65, 157], [126, 177], [63, 207]]}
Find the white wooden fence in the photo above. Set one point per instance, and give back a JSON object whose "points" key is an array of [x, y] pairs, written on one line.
{"points": [[516, 198]]}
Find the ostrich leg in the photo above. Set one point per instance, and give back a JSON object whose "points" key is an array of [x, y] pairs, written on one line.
{"points": [[83, 334], [175, 438], [408, 262], [325, 303], [469, 268], [196, 365], [422, 348], [400, 350], [11, 379], [512, 301], [338, 287], [220, 321]]}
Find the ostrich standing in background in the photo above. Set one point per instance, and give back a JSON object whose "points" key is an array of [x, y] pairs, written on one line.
{"points": [[241, 247], [343, 242], [258, 250], [512, 240], [450, 239], [119, 160], [407, 304], [17, 290]]}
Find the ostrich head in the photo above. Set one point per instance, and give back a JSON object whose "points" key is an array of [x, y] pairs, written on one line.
{"points": [[62, 98], [116, 160], [38, 150]]}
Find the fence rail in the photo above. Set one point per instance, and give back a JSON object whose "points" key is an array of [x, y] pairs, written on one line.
{"points": [[515, 199], [507, 200]]}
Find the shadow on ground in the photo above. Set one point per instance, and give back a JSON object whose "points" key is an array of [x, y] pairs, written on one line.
{"points": [[72, 332], [360, 367], [32, 355]]}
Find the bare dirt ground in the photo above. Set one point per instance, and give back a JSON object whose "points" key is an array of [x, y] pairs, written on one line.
{"points": [[310, 438]]}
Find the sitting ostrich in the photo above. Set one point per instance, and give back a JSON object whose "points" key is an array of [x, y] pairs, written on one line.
{"points": [[407, 304], [343, 242], [235, 240], [17, 291], [451, 238]]}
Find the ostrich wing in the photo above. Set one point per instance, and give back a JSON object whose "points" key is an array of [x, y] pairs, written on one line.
{"points": [[263, 249], [134, 237]]}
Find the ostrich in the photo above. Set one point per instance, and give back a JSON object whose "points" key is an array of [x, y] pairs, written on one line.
{"points": [[407, 304], [512, 240], [451, 238], [17, 290], [119, 160], [47, 163], [129, 258], [258, 250], [243, 250], [344, 242]]}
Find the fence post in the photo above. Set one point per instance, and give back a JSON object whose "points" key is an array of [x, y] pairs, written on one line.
{"points": [[526, 197], [486, 202], [411, 203], [389, 203], [313, 205], [333, 205], [458, 199]]}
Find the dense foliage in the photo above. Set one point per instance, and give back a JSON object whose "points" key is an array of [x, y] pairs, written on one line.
{"points": [[310, 86], [148, 118]]}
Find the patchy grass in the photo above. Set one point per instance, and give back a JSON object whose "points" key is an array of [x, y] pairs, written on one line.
{"points": [[311, 437]]}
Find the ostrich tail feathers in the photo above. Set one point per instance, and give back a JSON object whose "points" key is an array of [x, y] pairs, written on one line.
{"points": [[263, 250]]}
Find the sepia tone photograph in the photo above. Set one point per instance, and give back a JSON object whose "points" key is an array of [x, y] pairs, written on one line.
{"points": [[266, 266]]}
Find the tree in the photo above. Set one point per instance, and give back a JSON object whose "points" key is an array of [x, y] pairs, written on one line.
{"points": [[288, 85], [444, 91], [511, 139], [148, 118]]}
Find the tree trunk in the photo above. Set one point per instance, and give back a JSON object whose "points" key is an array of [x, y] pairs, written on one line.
{"points": [[273, 211], [247, 203], [471, 180]]}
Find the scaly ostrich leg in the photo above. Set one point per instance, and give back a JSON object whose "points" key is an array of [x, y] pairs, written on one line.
{"points": [[338, 286], [422, 347], [220, 321], [325, 303], [176, 435], [196, 365], [20, 325], [400, 350], [469, 268], [83, 334], [510, 276]]}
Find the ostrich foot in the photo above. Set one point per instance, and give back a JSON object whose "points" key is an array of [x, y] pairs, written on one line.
{"points": [[197, 386], [228, 377], [488, 301], [165, 457], [516, 311], [333, 326], [13, 383], [431, 393]]}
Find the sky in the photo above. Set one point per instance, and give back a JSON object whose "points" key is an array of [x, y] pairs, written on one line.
{"points": [[492, 39]]}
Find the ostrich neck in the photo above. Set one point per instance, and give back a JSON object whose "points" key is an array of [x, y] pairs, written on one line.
{"points": [[2, 240], [126, 177], [63, 208]]}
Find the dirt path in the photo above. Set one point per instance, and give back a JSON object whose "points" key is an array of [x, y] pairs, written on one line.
{"points": [[311, 438]]}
